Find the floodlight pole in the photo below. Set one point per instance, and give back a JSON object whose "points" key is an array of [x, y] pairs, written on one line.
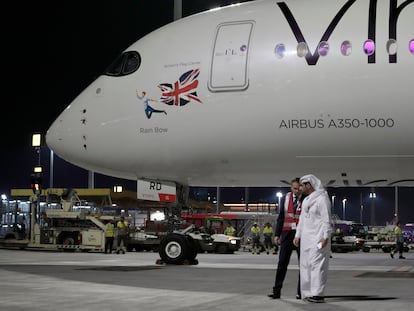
{"points": [[36, 143]]}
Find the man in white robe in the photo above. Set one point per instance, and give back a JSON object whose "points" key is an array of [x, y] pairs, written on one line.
{"points": [[314, 234]]}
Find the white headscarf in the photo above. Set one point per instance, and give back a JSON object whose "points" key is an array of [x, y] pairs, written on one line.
{"points": [[317, 185], [313, 180]]}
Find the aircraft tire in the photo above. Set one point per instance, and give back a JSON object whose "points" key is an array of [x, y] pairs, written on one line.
{"points": [[222, 249], [68, 241], [174, 249], [192, 249]]}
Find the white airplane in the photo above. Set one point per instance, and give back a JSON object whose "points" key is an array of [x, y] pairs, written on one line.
{"points": [[254, 95]]}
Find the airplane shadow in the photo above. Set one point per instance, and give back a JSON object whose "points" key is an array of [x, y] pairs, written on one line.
{"points": [[356, 297]]}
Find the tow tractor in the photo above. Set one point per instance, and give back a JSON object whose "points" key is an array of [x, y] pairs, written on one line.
{"points": [[181, 246], [139, 241]]}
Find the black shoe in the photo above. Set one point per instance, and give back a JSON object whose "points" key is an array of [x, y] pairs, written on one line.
{"points": [[401, 257], [298, 296], [274, 296], [315, 299], [392, 255]]}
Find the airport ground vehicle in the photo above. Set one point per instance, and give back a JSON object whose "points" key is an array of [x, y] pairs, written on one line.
{"points": [[346, 243], [184, 238], [205, 240], [142, 241], [347, 236], [381, 238], [61, 223], [183, 245], [214, 243], [241, 221]]}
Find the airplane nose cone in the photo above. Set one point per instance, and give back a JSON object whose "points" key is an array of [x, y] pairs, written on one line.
{"points": [[67, 136], [61, 134], [54, 138]]}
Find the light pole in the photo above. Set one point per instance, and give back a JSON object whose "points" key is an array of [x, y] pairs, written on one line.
{"points": [[36, 177], [373, 196], [343, 208], [279, 195], [396, 204], [51, 167], [361, 213]]}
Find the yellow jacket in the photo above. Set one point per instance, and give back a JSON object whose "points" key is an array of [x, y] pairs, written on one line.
{"points": [[109, 230]]}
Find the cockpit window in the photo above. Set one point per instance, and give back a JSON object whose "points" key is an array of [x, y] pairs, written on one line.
{"points": [[125, 64]]}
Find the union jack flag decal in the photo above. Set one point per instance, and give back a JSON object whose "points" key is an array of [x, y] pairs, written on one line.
{"points": [[182, 91]]}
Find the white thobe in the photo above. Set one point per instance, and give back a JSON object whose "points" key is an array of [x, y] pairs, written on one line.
{"points": [[314, 226]]}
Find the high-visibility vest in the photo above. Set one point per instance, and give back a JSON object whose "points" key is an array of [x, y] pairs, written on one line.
{"points": [[291, 217], [229, 231], [398, 235], [255, 232], [122, 227], [267, 231], [109, 230]]}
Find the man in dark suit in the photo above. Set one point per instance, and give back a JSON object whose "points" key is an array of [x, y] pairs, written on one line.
{"points": [[289, 211]]}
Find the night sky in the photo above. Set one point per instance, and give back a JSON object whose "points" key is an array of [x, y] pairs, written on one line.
{"points": [[52, 50]]}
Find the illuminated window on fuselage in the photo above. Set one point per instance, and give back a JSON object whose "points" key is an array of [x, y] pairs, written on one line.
{"points": [[369, 47], [323, 48], [392, 47], [280, 50], [346, 48], [302, 49]]}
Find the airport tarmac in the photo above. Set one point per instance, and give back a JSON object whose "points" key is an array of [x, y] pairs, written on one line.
{"points": [[46, 280]]}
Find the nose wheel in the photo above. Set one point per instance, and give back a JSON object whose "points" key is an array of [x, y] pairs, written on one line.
{"points": [[177, 249]]}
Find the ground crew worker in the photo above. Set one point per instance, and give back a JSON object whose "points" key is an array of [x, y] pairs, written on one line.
{"points": [[109, 236], [339, 235], [230, 231], [255, 231], [122, 227], [399, 240], [268, 233]]}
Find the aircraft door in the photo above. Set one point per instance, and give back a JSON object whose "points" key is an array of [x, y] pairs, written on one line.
{"points": [[228, 71]]}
